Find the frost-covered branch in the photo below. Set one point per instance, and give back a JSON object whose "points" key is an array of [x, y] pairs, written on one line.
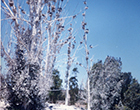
{"points": [[40, 31]]}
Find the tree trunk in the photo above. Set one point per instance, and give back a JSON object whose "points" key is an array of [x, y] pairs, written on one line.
{"points": [[67, 91], [88, 100]]}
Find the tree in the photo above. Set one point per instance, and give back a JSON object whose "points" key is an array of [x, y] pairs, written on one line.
{"points": [[74, 90], [3, 88], [71, 58], [40, 30], [132, 96], [96, 99], [111, 88], [22, 83], [106, 83], [14, 80], [56, 92], [127, 78]]}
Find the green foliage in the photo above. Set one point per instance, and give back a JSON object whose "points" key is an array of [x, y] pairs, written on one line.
{"points": [[22, 80], [2, 87], [12, 80], [127, 78], [126, 108], [97, 65], [73, 87], [56, 93], [132, 96], [73, 90], [106, 83]]}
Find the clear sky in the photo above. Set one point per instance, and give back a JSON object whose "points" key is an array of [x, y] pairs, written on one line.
{"points": [[115, 27]]}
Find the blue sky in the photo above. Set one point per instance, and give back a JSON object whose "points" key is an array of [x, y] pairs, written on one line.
{"points": [[115, 27]]}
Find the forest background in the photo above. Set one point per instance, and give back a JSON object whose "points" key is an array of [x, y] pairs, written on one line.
{"points": [[114, 31]]}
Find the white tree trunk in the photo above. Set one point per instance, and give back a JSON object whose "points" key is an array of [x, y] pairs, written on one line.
{"points": [[88, 100], [48, 13], [67, 92]]}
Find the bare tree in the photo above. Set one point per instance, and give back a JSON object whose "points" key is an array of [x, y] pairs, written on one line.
{"points": [[86, 31], [39, 29], [69, 62]]}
